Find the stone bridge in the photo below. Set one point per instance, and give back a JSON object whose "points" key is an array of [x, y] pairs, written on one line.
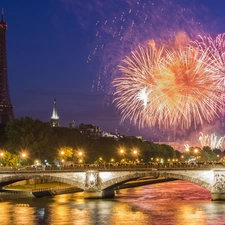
{"points": [[101, 183]]}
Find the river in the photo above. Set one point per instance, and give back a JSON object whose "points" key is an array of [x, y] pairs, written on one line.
{"points": [[170, 203]]}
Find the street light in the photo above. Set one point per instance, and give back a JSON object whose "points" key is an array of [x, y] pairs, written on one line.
{"points": [[135, 155], [122, 155], [80, 156], [121, 151], [23, 156], [1, 156]]}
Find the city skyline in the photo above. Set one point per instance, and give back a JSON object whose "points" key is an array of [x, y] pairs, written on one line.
{"points": [[64, 50]]}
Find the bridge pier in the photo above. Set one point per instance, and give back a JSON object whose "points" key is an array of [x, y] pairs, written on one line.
{"points": [[93, 186], [218, 188]]}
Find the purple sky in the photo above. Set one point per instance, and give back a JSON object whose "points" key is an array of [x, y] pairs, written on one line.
{"points": [[70, 50]]}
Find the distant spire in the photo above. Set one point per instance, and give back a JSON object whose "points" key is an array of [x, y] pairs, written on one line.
{"points": [[54, 112], [55, 117]]}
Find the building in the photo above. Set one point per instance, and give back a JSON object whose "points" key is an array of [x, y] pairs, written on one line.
{"points": [[72, 124], [6, 108], [55, 117], [90, 130], [109, 135]]}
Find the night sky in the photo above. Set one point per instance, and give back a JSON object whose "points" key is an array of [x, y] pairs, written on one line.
{"points": [[70, 50]]}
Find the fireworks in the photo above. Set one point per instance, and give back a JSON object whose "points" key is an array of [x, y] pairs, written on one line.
{"points": [[167, 87], [118, 30], [211, 141], [170, 88], [216, 47], [138, 83]]}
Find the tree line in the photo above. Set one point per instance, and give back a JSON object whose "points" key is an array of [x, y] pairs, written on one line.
{"points": [[39, 141]]}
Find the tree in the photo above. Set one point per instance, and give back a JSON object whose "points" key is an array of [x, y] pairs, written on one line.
{"points": [[34, 137], [9, 159], [3, 138], [207, 154], [65, 153]]}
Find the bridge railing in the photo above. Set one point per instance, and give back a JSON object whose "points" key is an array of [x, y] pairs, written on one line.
{"points": [[102, 167]]}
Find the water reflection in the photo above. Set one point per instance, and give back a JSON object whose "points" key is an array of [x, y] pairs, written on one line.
{"points": [[170, 203], [5, 208]]}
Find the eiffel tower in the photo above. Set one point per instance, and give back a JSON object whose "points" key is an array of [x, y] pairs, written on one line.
{"points": [[6, 108]]}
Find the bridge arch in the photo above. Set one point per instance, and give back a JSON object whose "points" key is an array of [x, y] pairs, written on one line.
{"points": [[13, 179], [190, 179], [65, 180], [114, 182], [20, 177]]}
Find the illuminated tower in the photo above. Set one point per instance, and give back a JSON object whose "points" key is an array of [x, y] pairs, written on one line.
{"points": [[55, 117], [6, 108]]}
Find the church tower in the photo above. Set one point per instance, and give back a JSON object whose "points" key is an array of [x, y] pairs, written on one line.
{"points": [[55, 117], [6, 108]]}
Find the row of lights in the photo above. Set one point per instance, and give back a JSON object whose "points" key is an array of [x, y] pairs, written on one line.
{"points": [[23, 155], [122, 152]]}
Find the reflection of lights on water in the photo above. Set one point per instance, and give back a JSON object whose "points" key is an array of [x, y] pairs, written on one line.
{"points": [[123, 214], [186, 214], [25, 213], [62, 198], [64, 214], [5, 208], [59, 213], [41, 213]]}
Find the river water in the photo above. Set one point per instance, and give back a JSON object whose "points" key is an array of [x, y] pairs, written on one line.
{"points": [[170, 203]]}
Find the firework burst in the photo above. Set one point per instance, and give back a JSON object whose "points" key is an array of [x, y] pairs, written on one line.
{"points": [[216, 47], [170, 88], [211, 141], [134, 88]]}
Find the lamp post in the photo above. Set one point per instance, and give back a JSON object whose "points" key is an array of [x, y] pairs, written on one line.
{"points": [[23, 157], [196, 151], [135, 155], [122, 155], [218, 157], [1, 156], [80, 157]]}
